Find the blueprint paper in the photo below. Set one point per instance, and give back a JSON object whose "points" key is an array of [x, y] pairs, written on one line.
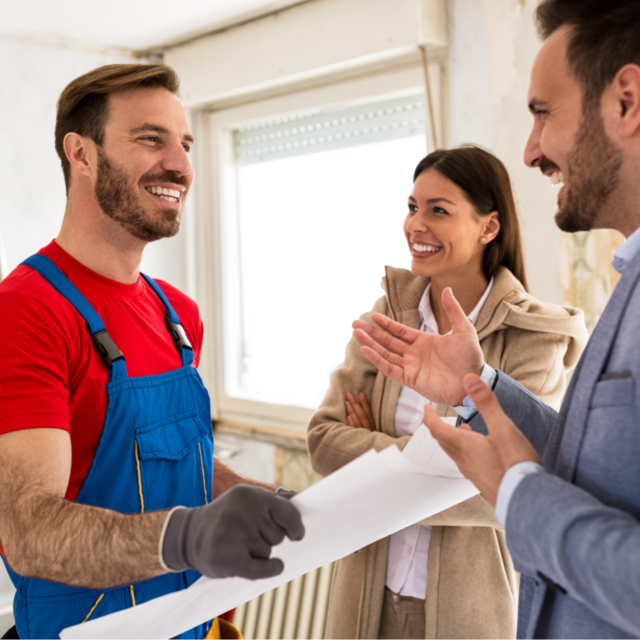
{"points": [[370, 498], [423, 450]]}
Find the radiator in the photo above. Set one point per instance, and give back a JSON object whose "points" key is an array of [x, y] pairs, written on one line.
{"points": [[294, 610]]}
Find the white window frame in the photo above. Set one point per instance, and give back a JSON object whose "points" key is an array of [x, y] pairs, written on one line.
{"points": [[215, 165]]}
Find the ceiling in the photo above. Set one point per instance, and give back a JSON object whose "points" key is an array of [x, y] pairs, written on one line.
{"points": [[132, 24]]}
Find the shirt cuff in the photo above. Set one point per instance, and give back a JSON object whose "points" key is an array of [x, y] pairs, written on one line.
{"points": [[509, 484], [468, 409]]}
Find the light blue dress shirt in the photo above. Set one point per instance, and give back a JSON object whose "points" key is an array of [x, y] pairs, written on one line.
{"points": [[467, 410], [514, 476]]}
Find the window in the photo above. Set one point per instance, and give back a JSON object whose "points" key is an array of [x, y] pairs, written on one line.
{"points": [[312, 205]]}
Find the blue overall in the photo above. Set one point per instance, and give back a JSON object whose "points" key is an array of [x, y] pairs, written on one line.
{"points": [[156, 452]]}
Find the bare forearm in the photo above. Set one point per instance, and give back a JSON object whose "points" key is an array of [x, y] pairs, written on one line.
{"points": [[224, 478], [48, 537]]}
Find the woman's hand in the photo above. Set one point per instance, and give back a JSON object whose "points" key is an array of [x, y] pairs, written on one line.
{"points": [[359, 414]]}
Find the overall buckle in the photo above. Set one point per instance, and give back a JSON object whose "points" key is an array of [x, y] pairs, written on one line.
{"points": [[178, 334], [106, 347]]}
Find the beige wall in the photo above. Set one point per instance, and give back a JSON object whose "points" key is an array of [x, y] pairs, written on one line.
{"points": [[492, 47], [514, 44], [572, 269]]}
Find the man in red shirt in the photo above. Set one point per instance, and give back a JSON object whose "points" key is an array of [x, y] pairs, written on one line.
{"points": [[105, 430]]}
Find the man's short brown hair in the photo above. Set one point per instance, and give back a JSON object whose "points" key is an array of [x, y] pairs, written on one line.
{"points": [[605, 36], [83, 106]]}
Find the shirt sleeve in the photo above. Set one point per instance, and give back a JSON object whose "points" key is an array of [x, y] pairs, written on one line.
{"points": [[467, 410], [509, 484], [34, 376]]}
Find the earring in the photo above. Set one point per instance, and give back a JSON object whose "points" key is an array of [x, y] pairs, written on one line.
{"points": [[483, 239]]}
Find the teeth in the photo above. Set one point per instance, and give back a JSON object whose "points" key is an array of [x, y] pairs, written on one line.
{"points": [[425, 248], [557, 179], [161, 191]]}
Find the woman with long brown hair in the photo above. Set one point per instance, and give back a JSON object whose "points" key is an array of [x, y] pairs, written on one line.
{"points": [[449, 576]]}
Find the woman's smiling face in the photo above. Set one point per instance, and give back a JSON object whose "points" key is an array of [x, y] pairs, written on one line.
{"points": [[443, 230]]}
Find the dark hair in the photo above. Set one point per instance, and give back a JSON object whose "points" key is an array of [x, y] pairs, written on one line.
{"points": [[605, 36], [486, 185], [83, 106]]}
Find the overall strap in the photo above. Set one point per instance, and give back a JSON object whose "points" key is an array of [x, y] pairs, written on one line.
{"points": [[102, 341], [173, 324]]}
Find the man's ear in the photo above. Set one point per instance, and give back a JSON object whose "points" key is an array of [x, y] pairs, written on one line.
{"points": [[81, 153], [491, 226], [626, 93]]}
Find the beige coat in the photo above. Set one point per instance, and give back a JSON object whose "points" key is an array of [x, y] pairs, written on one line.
{"points": [[471, 591]]}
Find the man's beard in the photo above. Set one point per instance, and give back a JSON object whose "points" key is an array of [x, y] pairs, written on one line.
{"points": [[121, 202], [593, 164]]}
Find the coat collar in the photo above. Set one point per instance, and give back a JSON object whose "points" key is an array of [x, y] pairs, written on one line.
{"points": [[405, 289]]}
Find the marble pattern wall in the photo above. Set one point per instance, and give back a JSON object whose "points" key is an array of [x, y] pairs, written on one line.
{"points": [[252, 459], [293, 469], [585, 271]]}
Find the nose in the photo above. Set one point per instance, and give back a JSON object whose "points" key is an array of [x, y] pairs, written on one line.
{"points": [[177, 160], [416, 223], [532, 152]]}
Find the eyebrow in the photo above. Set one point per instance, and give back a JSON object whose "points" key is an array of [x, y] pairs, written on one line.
{"points": [[536, 103], [433, 200], [159, 129]]}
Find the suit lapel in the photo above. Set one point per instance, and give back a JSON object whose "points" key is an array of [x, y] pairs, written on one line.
{"points": [[550, 456], [592, 363]]}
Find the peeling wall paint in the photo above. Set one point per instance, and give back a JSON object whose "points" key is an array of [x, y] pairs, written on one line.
{"points": [[571, 269], [493, 45]]}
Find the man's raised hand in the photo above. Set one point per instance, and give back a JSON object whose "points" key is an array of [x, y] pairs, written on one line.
{"points": [[433, 365], [482, 459]]}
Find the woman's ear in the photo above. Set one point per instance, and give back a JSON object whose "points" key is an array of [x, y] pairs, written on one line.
{"points": [[490, 226]]}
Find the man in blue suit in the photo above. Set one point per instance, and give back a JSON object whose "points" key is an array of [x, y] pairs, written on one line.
{"points": [[566, 486]]}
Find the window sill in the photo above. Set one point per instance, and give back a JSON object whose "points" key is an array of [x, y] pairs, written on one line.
{"points": [[280, 437]]}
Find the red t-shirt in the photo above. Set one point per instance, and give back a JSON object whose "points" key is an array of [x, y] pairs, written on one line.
{"points": [[52, 376]]}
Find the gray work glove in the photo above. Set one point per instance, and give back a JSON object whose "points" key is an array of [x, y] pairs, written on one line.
{"points": [[233, 535], [286, 493]]}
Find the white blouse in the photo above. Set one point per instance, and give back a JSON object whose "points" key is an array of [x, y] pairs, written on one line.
{"points": [[408, 557]]}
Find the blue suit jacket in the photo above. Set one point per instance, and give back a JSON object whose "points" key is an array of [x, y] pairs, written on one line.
{"points": [[574, 532]]}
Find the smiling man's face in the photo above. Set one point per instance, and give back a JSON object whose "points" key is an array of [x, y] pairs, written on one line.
{"points": [[568, 145], [144, 171]]}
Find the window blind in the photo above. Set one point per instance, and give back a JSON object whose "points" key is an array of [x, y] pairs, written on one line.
{"points": [[317, 131]]}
